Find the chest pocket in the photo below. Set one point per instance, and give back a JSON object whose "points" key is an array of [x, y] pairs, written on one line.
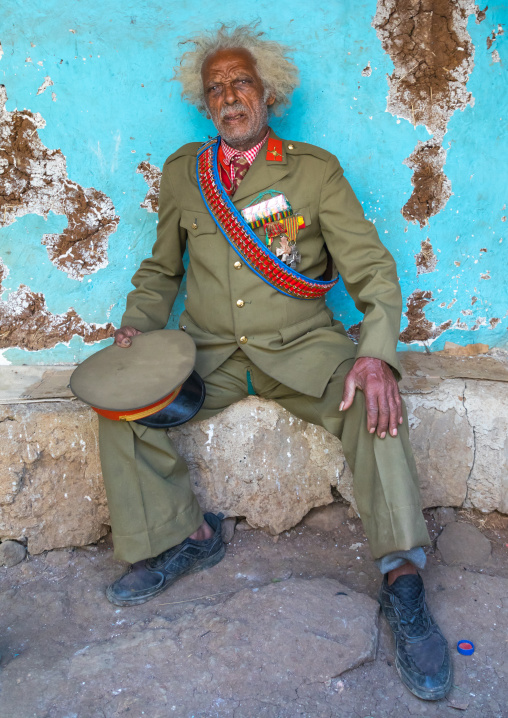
{"points": [[197, 223]]}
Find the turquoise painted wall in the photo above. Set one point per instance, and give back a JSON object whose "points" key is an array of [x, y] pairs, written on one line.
{"points": [[114, 105]]}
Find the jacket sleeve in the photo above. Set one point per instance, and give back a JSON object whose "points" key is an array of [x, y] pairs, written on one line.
{"points": [[159, 277], [365, 265]]}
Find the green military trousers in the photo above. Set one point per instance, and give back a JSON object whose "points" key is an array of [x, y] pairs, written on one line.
{"points": [[151, 502]]}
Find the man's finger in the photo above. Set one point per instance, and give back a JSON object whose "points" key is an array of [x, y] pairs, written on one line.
{"points": [[394, 415], [348, 393], [398, 401], [383, 417], [372, 413]]}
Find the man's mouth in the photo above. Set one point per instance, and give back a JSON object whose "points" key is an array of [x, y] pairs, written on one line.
{"points": [[236, 117]]}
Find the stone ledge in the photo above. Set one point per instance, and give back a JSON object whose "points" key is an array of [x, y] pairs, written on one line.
{"points": [[51, 490]]}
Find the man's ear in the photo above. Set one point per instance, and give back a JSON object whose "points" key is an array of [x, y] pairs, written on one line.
{"points": [[270, 100]]}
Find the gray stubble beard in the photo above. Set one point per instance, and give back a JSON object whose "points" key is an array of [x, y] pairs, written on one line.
{"points": [[261, 114]]}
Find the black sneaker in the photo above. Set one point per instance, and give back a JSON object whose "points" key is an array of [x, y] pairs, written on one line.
{"points": [[147, 579], [422, 656]]}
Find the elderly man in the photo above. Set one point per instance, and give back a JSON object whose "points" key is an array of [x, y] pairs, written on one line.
{"points": [[261, 218]]}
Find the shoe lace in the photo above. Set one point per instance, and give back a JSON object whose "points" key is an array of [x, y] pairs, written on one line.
{"points": [[413, 615]]}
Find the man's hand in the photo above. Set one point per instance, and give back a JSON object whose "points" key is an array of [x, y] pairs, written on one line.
{"points": [[123, 336], [384, 407]]}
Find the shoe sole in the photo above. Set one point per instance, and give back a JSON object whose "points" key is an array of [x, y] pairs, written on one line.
{"points": [[199, 566], [425, 695]]}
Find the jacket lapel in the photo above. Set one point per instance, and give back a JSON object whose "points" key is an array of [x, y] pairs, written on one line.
{"points": [[262, 174]]}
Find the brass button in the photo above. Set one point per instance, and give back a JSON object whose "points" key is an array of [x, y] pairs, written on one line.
{"points": [[240, 302], [243, 340], [291, 147], [237, 265], [194, 225]]}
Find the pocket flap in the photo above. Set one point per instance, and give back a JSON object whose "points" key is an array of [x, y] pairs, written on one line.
{"points": [[197, 223]]}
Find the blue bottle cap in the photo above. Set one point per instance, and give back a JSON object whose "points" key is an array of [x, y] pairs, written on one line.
{"points": [[465, 647]]}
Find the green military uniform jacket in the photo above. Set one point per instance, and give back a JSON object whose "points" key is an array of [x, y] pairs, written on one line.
{"points": [[295, 341]]}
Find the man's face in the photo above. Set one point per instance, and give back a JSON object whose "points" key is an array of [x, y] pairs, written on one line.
{"points": [[234, 97]]}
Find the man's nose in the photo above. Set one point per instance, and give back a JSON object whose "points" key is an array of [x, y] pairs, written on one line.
{"points": [[230, 94]]}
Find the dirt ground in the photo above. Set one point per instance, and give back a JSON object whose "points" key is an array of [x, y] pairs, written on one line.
{"points": [[68, 653]]}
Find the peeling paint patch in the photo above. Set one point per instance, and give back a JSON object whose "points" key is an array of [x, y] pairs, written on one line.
{"points": [[426, 260], [494, 321], [491, 38], [432, 188], [495, 56], [419, 328], [367, 70], [432, 55], [481, 14], [47, 83], [480, 322], [27, 323], [33, 180], [152, 176]]}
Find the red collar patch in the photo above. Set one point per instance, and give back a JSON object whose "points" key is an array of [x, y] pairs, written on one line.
{"points": [[274, 150]]}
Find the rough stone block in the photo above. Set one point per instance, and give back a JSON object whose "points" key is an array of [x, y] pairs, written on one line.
{"points": [[442, 440], [487, 407], [51, 489], [257, 460]]}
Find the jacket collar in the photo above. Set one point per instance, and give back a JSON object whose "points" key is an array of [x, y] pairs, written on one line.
{"points": [[263, 173]]}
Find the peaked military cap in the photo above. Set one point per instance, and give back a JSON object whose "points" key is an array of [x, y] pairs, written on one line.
{"points": [[152, 382]]}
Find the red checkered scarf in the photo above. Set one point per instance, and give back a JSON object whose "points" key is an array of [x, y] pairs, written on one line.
{"points": [[229, 153]]}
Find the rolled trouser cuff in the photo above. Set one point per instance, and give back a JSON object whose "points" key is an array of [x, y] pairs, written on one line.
{"points": [[396, 559]]}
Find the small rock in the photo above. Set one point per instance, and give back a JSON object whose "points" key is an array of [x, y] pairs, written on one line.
{"points": [[460, 705], [11, 553], [444, 515], [461, 543], [244, 526], [326, 518], [228, 528]]}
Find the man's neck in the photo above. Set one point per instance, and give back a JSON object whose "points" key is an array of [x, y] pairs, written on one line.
{"points": [[246, 145]]}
